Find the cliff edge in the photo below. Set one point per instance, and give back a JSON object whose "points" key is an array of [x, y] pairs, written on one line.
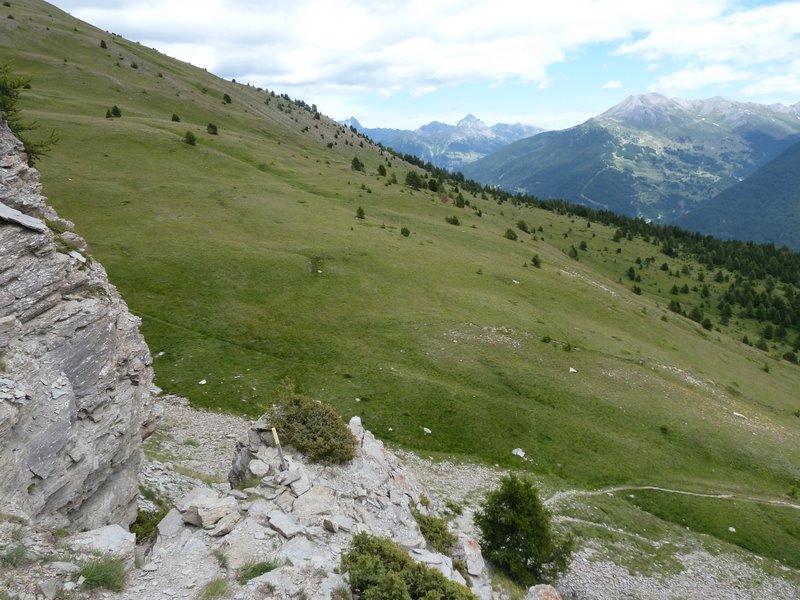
{"points": [[76, 393]]}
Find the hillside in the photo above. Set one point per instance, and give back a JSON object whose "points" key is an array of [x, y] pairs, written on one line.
{"points": [[648, 156], [449, 146], [245, 260], [764, 207]]}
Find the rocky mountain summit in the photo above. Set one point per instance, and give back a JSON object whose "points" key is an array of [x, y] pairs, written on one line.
{"points": [[449, 146], [75, 376]]}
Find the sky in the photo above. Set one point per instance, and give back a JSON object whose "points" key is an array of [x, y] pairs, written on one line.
{"points": [[405, 63]]}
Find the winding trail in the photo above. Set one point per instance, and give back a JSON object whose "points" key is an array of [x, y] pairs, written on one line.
{"points": [[559, 496]]}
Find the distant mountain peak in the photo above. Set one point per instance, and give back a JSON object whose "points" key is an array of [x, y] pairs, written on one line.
{"points": [[472, 122], [644, 110], [352, 122]]}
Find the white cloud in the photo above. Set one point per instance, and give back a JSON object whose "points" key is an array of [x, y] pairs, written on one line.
{"points": [[694, 77], [338, 52], [412, 45]]}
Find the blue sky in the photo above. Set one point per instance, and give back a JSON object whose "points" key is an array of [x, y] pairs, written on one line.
{"points": [[404, 64]]}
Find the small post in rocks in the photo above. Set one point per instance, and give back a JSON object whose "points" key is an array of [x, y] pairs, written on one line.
{"points": [[278, 446]]}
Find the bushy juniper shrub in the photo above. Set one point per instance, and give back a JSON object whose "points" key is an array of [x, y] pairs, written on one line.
{"points": [[312, 427], [516, 534], [380, 570]]}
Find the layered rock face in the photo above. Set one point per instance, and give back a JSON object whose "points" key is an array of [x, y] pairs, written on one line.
{"points": [[76, 394]]}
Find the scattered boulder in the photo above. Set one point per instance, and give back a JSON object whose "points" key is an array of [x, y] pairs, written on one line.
{"points": [[542, 592], [108, 540]]}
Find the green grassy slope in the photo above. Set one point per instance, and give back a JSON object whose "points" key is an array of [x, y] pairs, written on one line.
{"points": [[245, 261]]}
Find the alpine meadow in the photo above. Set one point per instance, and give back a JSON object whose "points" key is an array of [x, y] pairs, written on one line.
{"points": [[650, 375]]}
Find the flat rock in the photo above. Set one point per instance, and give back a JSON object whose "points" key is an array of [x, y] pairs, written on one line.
{"points": [[220, 509], [319, 500], [111, 539], [472, 556], [284, 524], [259, 468], [226, 524]]}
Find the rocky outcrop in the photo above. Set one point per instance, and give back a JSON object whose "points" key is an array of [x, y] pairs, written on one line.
{"points": [[298, 515], [76, 393]]}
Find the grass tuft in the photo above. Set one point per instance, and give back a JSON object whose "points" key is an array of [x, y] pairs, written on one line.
{"points": [[254, 569], [106, 573]]}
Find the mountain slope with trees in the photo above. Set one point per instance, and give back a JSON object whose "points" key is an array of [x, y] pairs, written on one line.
{"points": [[764, 207], [287, 246], [648, 156]]}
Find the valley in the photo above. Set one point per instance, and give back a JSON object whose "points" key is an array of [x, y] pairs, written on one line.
{"points": [[245, 257]]}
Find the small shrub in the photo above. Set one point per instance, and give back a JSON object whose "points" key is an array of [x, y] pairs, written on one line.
{"points": [[453, 220], [405, 231], [356, 164], [380, 570], [516, 534], [435, 532], [546, 339], [108, 113], [313, 427], [536, 261], [226, 98], [254, 569], [14, 556], [381, 170], [175, 118], [107, 572], [360, 213], [453, 507], [216, 588], [523, 226], [134, 65], [115, 111], [189, 138], [103, 44], [510, 234], [341, 593], [211, 129]]}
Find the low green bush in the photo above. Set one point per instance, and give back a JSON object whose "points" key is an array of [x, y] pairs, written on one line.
{"points": [[313, 427], [380, 570], [435, 532]]}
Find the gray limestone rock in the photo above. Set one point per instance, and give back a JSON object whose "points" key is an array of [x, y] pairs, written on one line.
{"points": [[284, 524], [111, 539], [71, 428]]}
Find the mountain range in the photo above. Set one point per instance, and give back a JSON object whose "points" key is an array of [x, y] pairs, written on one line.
{"points": [[449, 146], [648, 156]]}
